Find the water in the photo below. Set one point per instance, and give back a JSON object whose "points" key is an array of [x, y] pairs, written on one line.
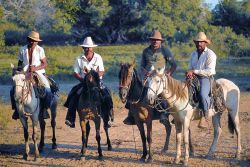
{"points": [[64, 88]]}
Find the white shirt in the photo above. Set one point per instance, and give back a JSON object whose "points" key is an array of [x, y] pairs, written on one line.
{"points": [[37, 55], [81, 63], [205, 65]]}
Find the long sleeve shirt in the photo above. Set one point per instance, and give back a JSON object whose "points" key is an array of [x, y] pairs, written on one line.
{"points": [[205, 64]]}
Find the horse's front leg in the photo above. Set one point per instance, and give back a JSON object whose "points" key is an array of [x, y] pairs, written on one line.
{"points": [[35, 137], [149, 139], [143, 138], [26, 137], [186, 140], [53, 123], [178, 127], [98, 135], [83, 128], [217, 133]]}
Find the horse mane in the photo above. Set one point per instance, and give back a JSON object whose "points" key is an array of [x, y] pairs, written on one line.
{"points": [[177, 87]]}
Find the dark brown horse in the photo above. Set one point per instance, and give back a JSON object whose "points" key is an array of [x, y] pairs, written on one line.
{"points": [[89, 108], [132, 90]]}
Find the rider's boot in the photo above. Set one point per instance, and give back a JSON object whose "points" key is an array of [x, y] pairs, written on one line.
{"points": [[15, 115]]}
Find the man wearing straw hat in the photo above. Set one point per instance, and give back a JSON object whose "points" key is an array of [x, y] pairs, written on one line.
{"points": [[31, 59], [155, 56], [202, 64], [86, 61]]}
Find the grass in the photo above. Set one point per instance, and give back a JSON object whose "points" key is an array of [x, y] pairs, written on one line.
{"points": [[5, 115]]}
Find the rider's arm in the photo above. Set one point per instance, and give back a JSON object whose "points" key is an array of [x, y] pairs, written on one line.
{"points": [[43, 65], [169, 59], [78, 76]]}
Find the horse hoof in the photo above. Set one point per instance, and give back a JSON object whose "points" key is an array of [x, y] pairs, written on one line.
{"points": [[143, 160], [82, 158], [54, 146], [209, 157], [191, 154], [150, 160], [238, 156], [110, 148], [100, 158], [25, 157], [163, 151], [177, 161]]}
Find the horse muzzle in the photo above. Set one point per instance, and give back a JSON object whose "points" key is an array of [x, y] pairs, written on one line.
{"points": [[123, 94]]}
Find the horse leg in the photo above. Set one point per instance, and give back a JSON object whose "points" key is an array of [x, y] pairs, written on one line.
{"points": [[26, 137], [191, 148], [168, 129], [53, 123], [178, 127], [149, 139], [217, 132], [108, 140], [186, 140], [98, 136], [83, 128], [235, 118], [35, 137], [42, 127], [87, 134], [143, 138]]}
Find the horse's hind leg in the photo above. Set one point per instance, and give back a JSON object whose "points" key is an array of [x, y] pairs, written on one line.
{"points": [[217, 132], [42, 128], [98, 136], [149, 139], [26, 137], [235, 118], [53, 123], [108, 140], [168, 129], [87, 133]]}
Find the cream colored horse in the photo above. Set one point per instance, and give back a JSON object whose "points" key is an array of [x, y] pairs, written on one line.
{"points": [[176, 94], [28, 106]]}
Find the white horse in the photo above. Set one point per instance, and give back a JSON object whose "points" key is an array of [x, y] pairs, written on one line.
{"points": [[176, 94], [28, 106]]}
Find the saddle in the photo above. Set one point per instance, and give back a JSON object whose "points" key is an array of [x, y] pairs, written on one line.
{"points": [[216, 94]]}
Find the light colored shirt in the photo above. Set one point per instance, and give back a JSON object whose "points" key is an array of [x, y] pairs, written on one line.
{"points": [[82, 63], [205, 65], [37, 55]]}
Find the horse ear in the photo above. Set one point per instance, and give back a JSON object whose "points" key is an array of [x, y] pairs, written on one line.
{"points": [[12, 65], [134, 63], [160, 71]]}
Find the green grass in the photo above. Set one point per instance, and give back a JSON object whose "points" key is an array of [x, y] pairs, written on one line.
{"points": [[5, 115]]}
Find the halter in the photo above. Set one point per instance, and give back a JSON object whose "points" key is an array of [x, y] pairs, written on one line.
{"points": [[158, 99], [127, 87]]}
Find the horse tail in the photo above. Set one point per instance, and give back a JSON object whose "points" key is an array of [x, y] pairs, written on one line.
{"points": [[231, 125]]}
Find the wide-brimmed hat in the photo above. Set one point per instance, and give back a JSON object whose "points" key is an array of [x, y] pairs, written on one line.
{"points": [[156, 35], [201, 36], [88, 43], [35, 36]]}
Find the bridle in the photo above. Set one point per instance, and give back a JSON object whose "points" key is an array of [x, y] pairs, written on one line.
{"points": [[158, 99]]}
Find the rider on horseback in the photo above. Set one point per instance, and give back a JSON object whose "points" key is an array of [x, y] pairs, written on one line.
{"points": [[32, 60], [202, 64], [154, 56], [85, 62]]}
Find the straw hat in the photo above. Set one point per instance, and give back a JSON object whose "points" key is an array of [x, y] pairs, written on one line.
{"points": [[34, 35], [201, 36], [88, 43], [156, 35]]}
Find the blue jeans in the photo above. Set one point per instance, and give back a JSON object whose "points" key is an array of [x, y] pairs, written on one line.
{"points": [[205, 88]]}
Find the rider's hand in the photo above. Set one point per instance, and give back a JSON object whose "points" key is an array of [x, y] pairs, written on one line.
{"points": [[32, 68], [190, 74]]}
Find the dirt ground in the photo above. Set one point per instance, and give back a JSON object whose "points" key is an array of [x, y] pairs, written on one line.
{"points": [[126, 142]]}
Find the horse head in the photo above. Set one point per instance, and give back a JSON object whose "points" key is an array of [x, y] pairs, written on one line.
{"points": [[125, 79], [155, 85]]}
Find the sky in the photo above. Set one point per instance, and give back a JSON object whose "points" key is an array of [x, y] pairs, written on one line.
{"points": [[212, 2]]}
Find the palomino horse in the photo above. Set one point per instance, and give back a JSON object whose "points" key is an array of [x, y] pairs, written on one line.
{"points": [[89, 108], [176, 94], [28, 106], [131, 89]]}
